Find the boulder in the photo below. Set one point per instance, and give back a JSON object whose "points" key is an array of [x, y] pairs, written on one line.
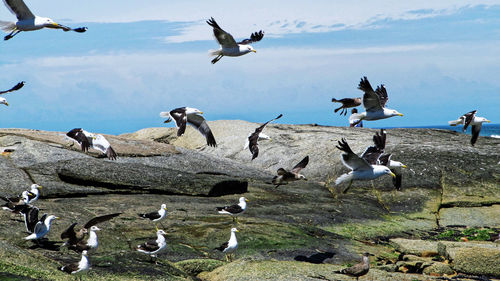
{"points": [[478, 261]]}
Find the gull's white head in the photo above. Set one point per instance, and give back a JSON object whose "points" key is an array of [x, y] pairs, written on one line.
{"points": [[191, 110], [388, 171], [396, 164], [51, 218], [4, 101], [263, 136], [395, 113], [46, 22], [94, 228], [481, 120], [164, 206], [234, 229], [245, 49], [36, 186], [161, 232]]}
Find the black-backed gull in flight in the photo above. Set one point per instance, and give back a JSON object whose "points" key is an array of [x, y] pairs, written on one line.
{"points": [[228, 46], [374, 103], [230, 246], [87, 140], [476, 123], [234, 210], [15, 88], [192, 116], [361, 169], [27, 21], [346, 103], [285, 176], [255, 136]]}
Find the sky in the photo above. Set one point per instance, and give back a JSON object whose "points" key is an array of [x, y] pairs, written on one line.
{"points": [[438, 60]]}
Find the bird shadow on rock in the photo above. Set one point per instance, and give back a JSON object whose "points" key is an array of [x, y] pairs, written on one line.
{"points": [[315, 258], [45, 244]]}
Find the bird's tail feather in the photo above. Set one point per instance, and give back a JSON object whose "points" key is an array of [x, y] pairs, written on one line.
{"points": [[343, 178], [165, 114], [7, 26], [355, 117], [455, 122], [215, 52]]}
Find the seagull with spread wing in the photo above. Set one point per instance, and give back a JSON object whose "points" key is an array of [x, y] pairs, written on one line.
{"points": [[76, 238], [374, 103], [364, 167], [229, 47], [476, 123], [15, 88], [27, 21], [255, 136], [87, 140], [192, 116], [285, 176]]}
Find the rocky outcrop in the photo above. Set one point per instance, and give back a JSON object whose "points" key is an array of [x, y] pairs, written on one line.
{"points": [[302, 229]]}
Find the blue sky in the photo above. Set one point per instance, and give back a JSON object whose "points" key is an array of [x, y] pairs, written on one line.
{"points": [[437, 60]]}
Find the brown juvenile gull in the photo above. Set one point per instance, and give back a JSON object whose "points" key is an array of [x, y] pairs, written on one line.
{"points": [[87, 140], [192, 116], [15, 88], [76, 237], [285, 176], [374, 103], [255, 136], [346, 103], [358, 269], [27, 21], [470, 118], [361, 169], [228, 46]]}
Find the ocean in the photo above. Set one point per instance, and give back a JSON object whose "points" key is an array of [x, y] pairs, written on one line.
{"points": [[488, 130]]}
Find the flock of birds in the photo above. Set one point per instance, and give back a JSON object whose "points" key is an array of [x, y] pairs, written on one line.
{"points": [[374, 162]]}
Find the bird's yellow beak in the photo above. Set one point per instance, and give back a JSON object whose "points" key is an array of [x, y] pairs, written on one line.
{"points": [[399, 114], [488, 121], [246, 200], [7, 104], [165, 208], [404, 166], [392, 175], [201, 112], [57, 218], [237, 230], [254, 51], [156, 227]]}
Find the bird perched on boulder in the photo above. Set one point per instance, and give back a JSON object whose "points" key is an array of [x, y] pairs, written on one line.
{"points": [[228, 46], [77, 267], [285, 176], [157, 215], [234, 210], [358, 269], [230, 246], [153, 247]]}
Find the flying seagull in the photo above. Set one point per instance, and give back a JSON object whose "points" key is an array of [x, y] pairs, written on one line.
{"points": [[27, 21], [346, 103], [285, 176], [191, 116], [76, 237], [153, 247], [470, 118], [253, 138], [374, 103], [361, 169], [15, 88], [375, 155], [41, 228], [234, 210], [358, 269], [77, 267], [157, 215], [87, 140], [230, 246], [229, 47]]}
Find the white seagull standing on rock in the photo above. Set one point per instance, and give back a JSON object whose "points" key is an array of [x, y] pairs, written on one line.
{"points": [[230, 246], [27, 21], [374, 104], [192, 116], [77, 267], [153, 247], [229, 47], [234, 210]]}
